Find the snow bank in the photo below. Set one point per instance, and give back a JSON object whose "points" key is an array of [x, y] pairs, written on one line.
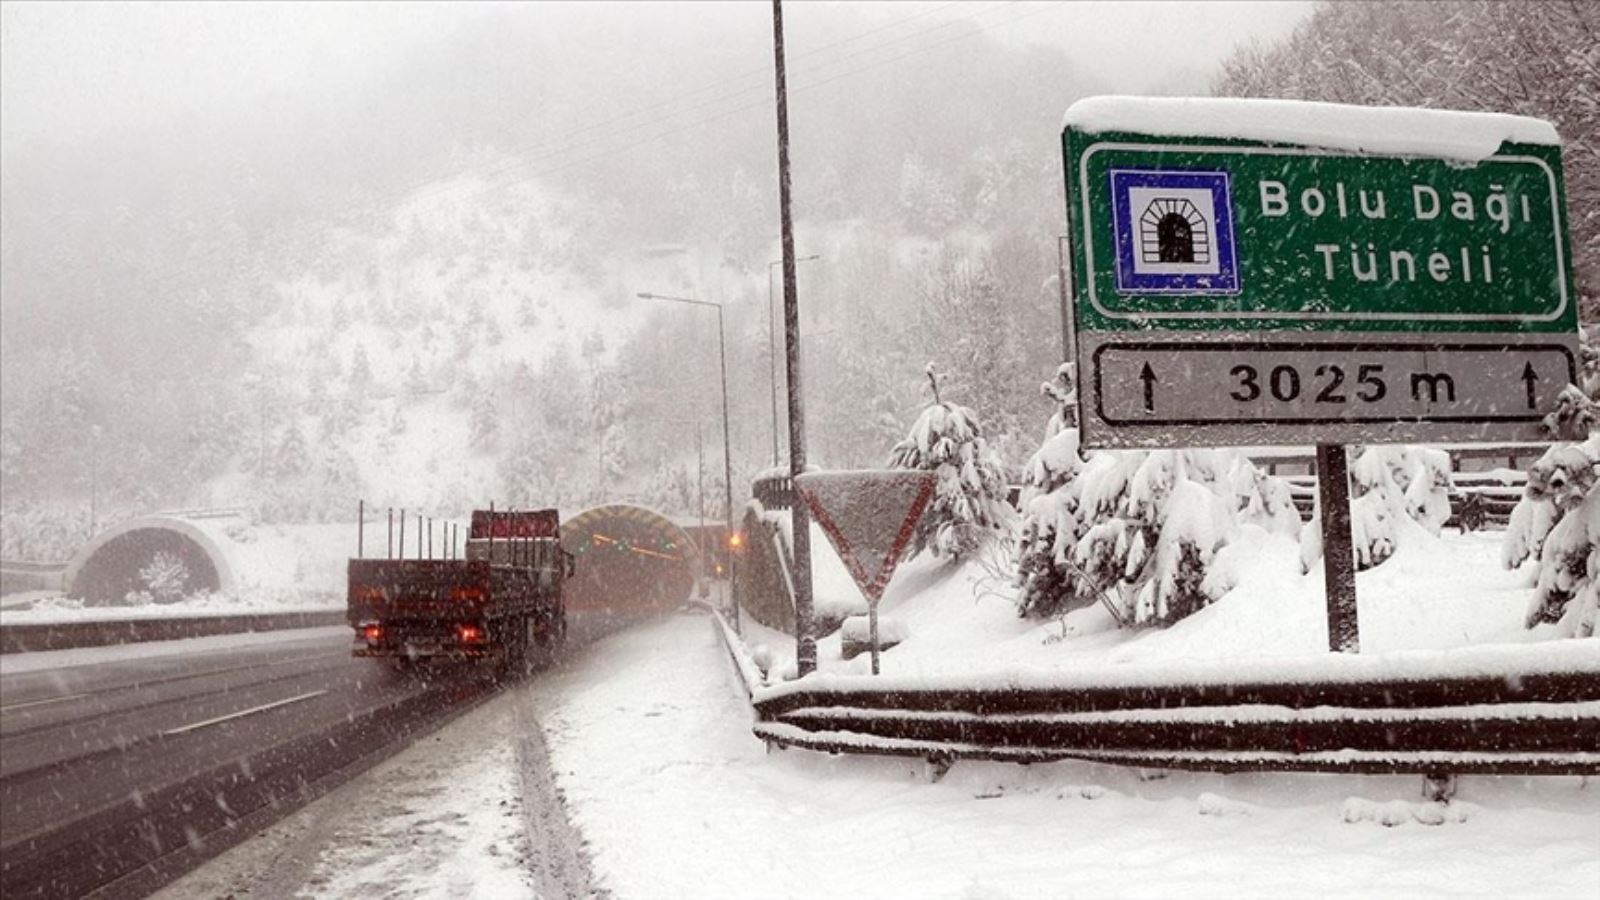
{"points": [[1401, 131], [650, 740], [1438, 603]]}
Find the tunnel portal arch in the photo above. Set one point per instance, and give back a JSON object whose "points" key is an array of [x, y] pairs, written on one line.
{"points": [[106, 570], [631, 562]]}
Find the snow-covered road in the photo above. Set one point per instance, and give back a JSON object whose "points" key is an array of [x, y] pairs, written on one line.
{"points": [[648, 738], [651, 742]]}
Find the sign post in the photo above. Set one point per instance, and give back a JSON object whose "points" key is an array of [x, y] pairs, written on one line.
{"points": [[1251, 272], [869, 516]]}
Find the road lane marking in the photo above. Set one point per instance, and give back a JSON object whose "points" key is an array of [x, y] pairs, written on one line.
{"points": [[10, 706], [241, 714], [170, 679]]}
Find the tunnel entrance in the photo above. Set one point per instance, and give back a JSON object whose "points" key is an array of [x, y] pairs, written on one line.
{"points": [[632, 563], [121, 564], [1176, 239]]}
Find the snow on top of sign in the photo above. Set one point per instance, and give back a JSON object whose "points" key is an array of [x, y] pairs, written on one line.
{"points": [[1394, 130]]}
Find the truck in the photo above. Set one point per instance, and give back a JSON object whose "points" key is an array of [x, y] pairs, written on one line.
{"points": [[500, 602]]}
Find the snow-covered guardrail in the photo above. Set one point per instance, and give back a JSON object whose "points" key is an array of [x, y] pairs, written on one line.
{"points": [[22, 638], [1523, 709], [1477, 500], [744, 664]]}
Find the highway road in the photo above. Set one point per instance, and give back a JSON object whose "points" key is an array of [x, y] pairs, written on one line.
{"points": [[118, 775]]}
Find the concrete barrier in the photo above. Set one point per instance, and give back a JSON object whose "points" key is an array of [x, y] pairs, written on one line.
{"points": [[67, 635]]}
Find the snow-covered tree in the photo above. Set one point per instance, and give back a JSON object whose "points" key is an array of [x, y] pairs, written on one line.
{"points": [[1390, 485], [671, 490], [485, 419], [165, 577], [1577, 412], [1557, 482], [1137, 530], [292, 457], [1557, 524], [1043, 588], [1534, 59], [927, 198], [970, 498]]}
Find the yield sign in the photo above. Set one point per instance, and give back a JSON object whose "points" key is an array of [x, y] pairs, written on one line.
{"points": [[869, 517]]}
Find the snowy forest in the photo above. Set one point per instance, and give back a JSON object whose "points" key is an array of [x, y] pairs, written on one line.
{"points": [[289, 333]]}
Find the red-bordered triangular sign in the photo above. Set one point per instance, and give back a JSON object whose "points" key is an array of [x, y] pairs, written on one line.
{"points": [[869, 517]]}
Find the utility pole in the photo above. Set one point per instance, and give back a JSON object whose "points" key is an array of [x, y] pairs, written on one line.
{"points": [[772, 347], [805, 640], [722, 368]]}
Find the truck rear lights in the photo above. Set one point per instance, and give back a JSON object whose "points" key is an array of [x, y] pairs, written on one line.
{"points": [[470, 634], [373, 633], [466, 594]]}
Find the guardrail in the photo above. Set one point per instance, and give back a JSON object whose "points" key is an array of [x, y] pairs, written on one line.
{"points": [[1499, 710], [1477, 499], [67, 635], [18, 575]]}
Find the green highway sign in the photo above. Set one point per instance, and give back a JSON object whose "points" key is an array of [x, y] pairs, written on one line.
{"points": [[1243, 289]]}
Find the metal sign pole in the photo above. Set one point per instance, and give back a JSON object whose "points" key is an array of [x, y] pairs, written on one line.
{"points": [[805, 640], [872, 632], [1068, 351], [1338, 555]]}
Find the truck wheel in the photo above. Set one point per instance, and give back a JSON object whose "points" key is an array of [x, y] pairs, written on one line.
{"points": [[514, 664], [547, 644], [401, 668]]}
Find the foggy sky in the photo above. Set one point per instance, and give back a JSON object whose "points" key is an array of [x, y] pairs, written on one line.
{"points": [[72, 71]]}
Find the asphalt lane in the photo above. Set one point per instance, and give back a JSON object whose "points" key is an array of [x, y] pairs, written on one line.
{"points": [[112, 767]]}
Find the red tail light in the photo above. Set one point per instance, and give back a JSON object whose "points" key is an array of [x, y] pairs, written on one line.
{"points": [[470, 634], [373, 633], [463, 594]]}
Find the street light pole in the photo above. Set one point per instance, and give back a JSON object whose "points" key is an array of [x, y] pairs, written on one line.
{"points": [[772, 347], [722, 358]]}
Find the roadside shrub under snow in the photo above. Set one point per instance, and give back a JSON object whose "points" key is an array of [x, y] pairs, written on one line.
{"points": [[969, 500], [1388, 484], [1137, 530], [1557, 524]]}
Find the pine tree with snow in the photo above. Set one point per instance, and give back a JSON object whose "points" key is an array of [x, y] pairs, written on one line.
{"points": [[1577, 412], [292, 457], [165, 577], [1140, 531], [1044, 587], [969, 501], [1391, 486], [485, 419], [1557, 524]]}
